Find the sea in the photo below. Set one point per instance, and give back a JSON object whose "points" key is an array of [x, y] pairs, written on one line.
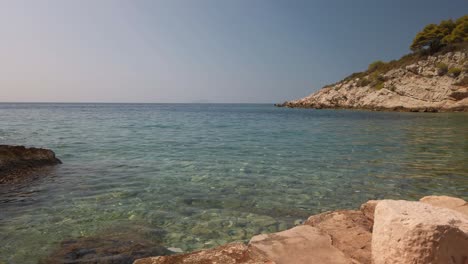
{"points": [[193, 176]]}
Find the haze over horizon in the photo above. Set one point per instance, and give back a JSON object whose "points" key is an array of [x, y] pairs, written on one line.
{"points": [[199, 51]]}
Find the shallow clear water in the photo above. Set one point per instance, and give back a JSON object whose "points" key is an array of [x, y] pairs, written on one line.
{"points": [[199, 175]]}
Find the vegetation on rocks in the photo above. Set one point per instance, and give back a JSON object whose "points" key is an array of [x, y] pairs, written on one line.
{"points": [[432, 78], [454, 72], [376, 65], [448, 36], [442, 68], [433, 37]]}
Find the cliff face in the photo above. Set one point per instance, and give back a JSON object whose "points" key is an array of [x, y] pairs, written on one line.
{"points": [[428, 85]]}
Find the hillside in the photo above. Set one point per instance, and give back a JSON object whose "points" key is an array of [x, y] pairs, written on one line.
{"points": [[433, 78]]}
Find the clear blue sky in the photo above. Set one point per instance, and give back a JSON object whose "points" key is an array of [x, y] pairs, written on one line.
{"points": [[199, 50]]}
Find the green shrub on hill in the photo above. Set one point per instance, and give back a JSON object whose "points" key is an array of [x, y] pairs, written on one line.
{"points": [[433, 37], [376, 65], [363, 82], [454, 72], [379, 85], [459, 33], [442, 68], [377, 80]]}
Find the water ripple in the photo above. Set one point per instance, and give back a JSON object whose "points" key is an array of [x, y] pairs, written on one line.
{"points": [[204, 175]]}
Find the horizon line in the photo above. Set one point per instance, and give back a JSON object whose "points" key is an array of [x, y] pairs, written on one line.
{"points": [[24, 102]]}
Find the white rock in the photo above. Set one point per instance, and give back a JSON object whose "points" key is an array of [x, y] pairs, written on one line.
{"points": [[453, 203], [299, 245], [418, 233]]}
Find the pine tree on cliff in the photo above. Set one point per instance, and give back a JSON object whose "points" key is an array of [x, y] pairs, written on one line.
{"points": [[459, 33], [434, 36]]}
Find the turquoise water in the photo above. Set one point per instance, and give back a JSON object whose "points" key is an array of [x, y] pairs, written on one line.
{"points": [[198, 175]]}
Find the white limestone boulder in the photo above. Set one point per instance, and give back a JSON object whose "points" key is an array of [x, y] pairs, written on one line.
{"points": [[418, 233], [299, 245], [453, 203]]}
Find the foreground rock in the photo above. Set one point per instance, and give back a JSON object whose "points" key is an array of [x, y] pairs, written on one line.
{"points": [[16, 162], [420, 86], [299, 245], [368, 209], [434, 230], [104, 250], [414, 232], [453, 203], [349, 230], [227, 254]]}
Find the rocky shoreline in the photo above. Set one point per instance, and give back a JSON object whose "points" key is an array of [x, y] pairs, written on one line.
{"points": [[432, 84], [19, 162], [432, 230]]}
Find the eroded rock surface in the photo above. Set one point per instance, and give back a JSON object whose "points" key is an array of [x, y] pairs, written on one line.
{"points": [[416, 87], [453, 203], [368, 209], [235, 253], [18, 161], [350, 232], [414, 232], [299, 245]]}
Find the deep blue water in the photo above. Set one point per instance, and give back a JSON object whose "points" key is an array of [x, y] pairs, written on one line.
{"points": [[200, 175]]}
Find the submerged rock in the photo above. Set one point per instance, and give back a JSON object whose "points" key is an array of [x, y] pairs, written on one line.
{"points": [[17, 162], [105, 250]]}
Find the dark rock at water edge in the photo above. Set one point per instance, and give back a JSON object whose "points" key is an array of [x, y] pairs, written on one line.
{"points": [[16, 162], [281, 104]]}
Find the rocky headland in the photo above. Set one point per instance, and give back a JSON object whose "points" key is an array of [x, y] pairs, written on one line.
{"points": [[436, 83], [432, 230], [18, 162], [433, 78]]}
